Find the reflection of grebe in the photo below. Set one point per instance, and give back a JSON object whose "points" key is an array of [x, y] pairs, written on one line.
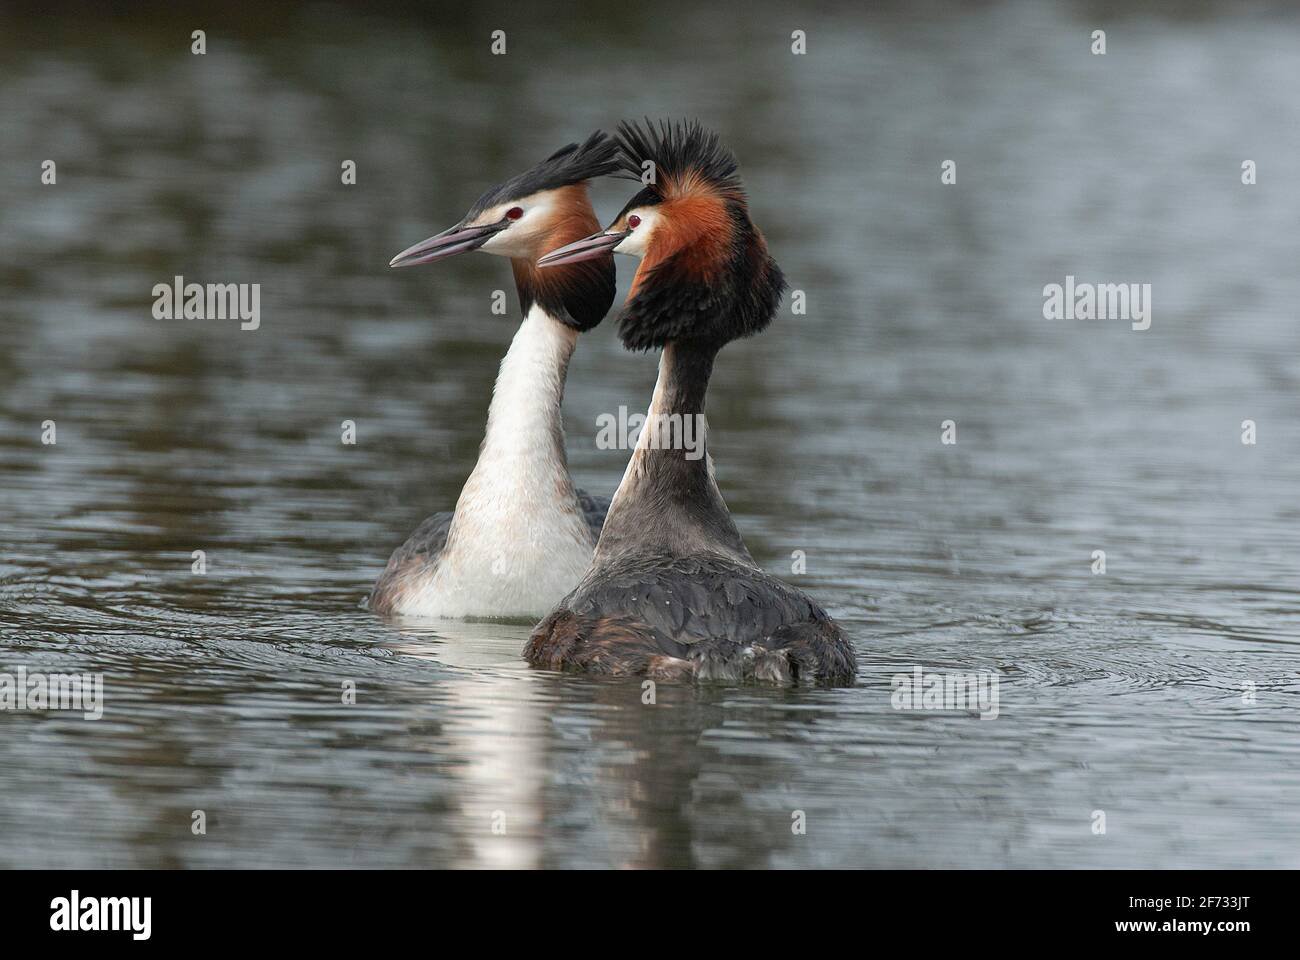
{"points": [[521, 535], [488, 720], [673, 593]]}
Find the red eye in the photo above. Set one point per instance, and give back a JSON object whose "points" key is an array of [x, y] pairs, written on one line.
{"points": [[514, 213], [633, 222]]}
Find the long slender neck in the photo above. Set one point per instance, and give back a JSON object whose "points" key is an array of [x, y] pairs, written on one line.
{"points": [[524, 420], [668, 501]]}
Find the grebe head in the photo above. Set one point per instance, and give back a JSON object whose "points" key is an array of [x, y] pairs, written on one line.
{"points": [[705, 274], [538, 210]]}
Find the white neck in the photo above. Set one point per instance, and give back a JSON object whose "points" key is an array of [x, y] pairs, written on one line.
{"points": [[525, 410], [518, 542], [658, 407]]}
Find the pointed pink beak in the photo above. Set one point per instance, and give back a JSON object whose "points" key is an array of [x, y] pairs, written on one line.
{"points": [[588, 248], [450, 242]]}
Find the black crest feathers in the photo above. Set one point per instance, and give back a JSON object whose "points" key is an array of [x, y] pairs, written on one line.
{"points": [[681, 151], [597, 156]]}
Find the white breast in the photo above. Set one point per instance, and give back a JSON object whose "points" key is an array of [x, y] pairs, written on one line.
{"points": [[519, 541]]}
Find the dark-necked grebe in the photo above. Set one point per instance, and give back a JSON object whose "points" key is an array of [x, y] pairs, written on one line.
{"points": [[672, 592], [521, 535]]}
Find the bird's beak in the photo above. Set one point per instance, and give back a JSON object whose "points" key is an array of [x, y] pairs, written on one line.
{"points": [[454, 240], [587, 248]]}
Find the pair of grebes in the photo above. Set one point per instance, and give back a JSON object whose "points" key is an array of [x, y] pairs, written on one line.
{"points": [[655, 582]]}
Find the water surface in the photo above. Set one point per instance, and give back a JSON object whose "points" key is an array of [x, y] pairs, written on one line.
{"points": [[1119, 692]]}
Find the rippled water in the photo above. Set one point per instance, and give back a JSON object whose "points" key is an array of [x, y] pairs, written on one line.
{"points": [[1120, 692]]}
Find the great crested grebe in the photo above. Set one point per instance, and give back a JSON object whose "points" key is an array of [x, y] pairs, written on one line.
{"points": [[672, 592], [521, 535]]}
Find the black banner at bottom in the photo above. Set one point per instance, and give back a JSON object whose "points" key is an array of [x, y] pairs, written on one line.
{"points": [[335, 909]]}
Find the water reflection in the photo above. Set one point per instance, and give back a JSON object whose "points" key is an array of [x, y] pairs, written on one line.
{"points": [[1123, 692]]}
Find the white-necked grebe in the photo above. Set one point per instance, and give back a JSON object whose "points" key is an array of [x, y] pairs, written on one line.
{"points": [[672, 592], [521, 535]]}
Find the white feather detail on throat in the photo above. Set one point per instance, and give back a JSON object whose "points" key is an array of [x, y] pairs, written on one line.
{"points": [[519, 541]]}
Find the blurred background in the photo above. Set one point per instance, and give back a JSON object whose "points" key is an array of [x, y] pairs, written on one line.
{"points": [[1120, 692]]}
